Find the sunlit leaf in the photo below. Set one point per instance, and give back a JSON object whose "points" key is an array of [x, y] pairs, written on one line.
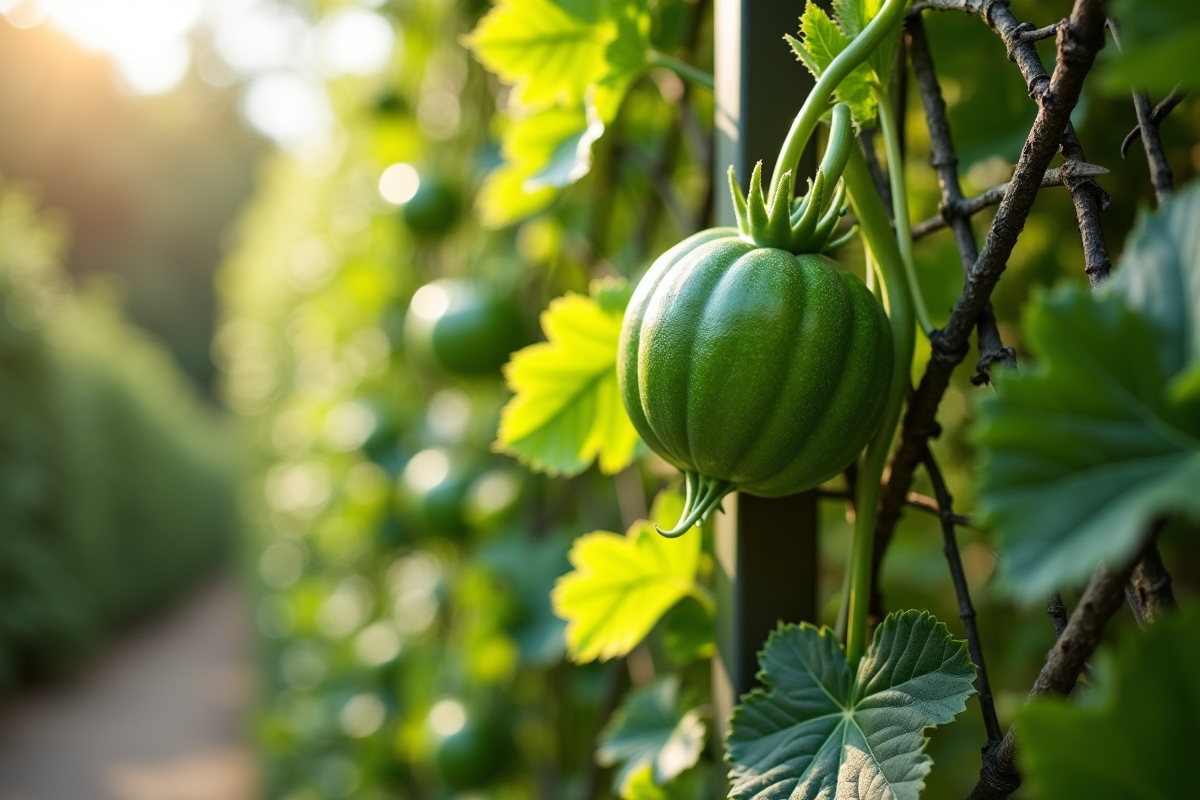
{"points": [[821, 41], [503, 199], [852, 17], [624, 58], [652, 729], [818, 731], [567, 410], [1133, 736], [622, 585], [1084, 450], [547, 52], [641, 786]]}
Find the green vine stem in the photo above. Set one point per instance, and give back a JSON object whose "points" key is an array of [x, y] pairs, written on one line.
{"points": [[879, 239], [818, 100], [682, 69], [888, 126]]}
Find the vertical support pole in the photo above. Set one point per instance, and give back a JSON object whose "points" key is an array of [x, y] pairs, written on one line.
{"points": [[766, 550]]}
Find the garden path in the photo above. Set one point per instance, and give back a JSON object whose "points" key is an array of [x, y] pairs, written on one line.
{"points": [[160, 715]]}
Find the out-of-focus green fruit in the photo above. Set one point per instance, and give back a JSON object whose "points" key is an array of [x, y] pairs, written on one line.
{"points": [[467, 752], [433, 210], [433, 488], [460, 327]]}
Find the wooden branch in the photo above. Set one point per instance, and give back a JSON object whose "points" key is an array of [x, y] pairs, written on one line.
{"points": [[1104, 594], [1089, 200], [1040, 33], [1057, 612], [1160, 112], [1149, 589], [1080, 37], [969, 206], [966, 609], [1160, 172], [945, 162]]}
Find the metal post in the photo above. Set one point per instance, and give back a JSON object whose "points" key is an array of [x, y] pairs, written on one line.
{"points": [[766, 550]]}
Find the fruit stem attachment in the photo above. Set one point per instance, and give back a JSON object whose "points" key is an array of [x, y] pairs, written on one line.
{"points": [[888, 126], [682, 69], [818, 100], [703, 494], [880, 241]]}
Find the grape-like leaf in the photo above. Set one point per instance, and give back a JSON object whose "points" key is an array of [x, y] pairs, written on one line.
{"points": [[547, 52], [852, 17], [1083, 451], [505, 199], [1133, 737], [652, 729], [818, 731], [1160, 277], [622, 585], [822, 39], [567, 410], [572, 64], [624, 59], [543, 151]]}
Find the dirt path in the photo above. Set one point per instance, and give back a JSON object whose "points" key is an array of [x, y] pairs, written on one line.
{"points": [[160, 716]]}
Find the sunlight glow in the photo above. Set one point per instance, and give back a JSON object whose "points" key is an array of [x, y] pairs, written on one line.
{"points": [[426, 470], [447, 717], [355, 41], [430, 302], [144, 37], [399, 183], [288, 107]]}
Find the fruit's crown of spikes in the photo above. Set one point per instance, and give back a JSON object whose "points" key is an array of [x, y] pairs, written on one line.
{"points": [[803, 225]]}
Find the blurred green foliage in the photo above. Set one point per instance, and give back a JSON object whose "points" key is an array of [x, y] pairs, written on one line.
{"points": [[384, 632], [117, 488]]}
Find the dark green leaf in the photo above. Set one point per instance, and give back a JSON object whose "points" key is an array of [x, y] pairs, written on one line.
{"points": [[1159, 276], [1082, 452], [1134, 737], [688, 633], [651, 728], [820, 732]]}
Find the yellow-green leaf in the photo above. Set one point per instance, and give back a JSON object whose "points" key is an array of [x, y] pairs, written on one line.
{"points": [[549, 54], [624, 59], [543, 151], [622, 585], [567, 411], [503, 199], [641, 786]]}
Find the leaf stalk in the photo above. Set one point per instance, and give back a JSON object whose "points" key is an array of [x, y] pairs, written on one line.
{"points": [[880, 241]]}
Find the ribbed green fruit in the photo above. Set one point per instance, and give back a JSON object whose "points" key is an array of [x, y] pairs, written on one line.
{"points": [[753, 368]]}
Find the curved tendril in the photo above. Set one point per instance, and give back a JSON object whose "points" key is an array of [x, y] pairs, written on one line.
{"points": [[690, 483], [697, 507]]}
